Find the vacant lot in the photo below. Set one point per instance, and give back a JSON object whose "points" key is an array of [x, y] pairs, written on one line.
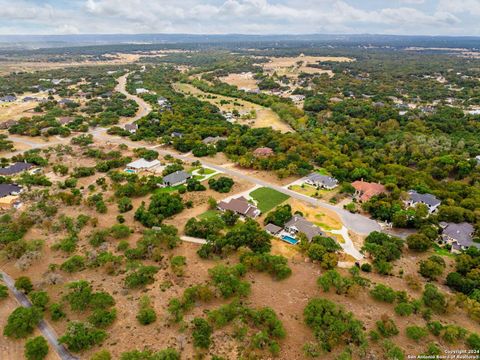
{"points": [[265, 117], [267, 198], [293, 66], [242, 81]]}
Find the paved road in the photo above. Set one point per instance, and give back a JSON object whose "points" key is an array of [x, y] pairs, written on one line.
{"points": [[44, 327], [144, 108]]}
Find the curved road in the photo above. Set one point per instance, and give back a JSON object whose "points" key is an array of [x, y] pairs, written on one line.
{"points": [[43, 326], [144, 108]]}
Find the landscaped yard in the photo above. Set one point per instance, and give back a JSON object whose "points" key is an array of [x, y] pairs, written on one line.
{"points": [[267, 198], [209, 214], [441, 251]]}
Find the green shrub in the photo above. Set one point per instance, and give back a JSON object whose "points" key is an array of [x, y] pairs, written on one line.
{"points": [[73, 264], [386, 327], [416, 332], [22, 321], [23, 283], [36, 348], [383, 293], [39, 299], [82, 336], [201, 333]]}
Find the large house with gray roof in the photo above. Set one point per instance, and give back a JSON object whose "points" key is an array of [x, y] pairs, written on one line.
{"points": [[321, 181], [415, 198], [298, 224], [9, 189], [15, 168], [177, 178], [459, 236]]}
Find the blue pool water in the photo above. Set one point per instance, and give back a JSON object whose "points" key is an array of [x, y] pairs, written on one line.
{"points": [[130, 171], [289, 239]]}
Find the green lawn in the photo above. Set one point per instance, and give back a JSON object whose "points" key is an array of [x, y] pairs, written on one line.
{"points": [[267, 198], [209, 214], [442, 252], [168, 189]]}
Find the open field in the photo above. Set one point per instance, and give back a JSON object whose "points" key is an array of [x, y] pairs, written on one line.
{"points": [[265, 116], [16, 110], [293, 66], [244, 80]]}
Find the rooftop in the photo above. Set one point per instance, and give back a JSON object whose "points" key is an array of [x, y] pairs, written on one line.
{"points": [[462, 233], [428, 199], [143, 164], [176, 177], [15, 168], [9, 189], [304, 226], [240, 205]]}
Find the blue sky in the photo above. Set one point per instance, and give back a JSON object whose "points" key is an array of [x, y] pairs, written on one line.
{"points": [[409, 17]]}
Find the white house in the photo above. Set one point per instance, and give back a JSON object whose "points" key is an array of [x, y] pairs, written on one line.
{"points": [[141, 91], [131, 128], [143, 165]]}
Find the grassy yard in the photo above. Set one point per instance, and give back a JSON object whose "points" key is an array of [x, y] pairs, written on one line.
{"points": [[168, 189], [267, 198], [442, 252], [209, 214]]}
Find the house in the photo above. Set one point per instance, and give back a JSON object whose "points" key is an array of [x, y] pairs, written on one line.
{"points": [[272, 229], [298, 224], [29, 98], [7, 124], [141, 91], [297, 98], [15, 168], [240, 206], [415, 198], [459, 236], [212, 140], [177, 178], [321, 181], [364, 191], [335, 100], [131, 128], [142, 165], [263, 152], [66, 101], [478, 159], [176, 134], [9, 202], [161, 101], [9, 189], [65, 120], [8, 98]]}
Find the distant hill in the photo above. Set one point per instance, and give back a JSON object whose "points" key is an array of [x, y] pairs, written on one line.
{"points": [[55, 41]]}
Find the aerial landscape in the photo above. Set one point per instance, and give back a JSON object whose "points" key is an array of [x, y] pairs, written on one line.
{"points": [[240, 179]]}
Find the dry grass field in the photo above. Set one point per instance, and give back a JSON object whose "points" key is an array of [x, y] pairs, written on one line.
{"points": [[293, 66], [265, 116], [244, 80]]}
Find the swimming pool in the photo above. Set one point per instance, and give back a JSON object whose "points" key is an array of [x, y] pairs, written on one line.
{"points": [[130, 171], [289, 239]]}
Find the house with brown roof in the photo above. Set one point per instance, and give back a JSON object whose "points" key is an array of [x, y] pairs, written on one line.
{"points": [[7, 124], [263, 152], [65, 120], [364, 191], [240, 206]]}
